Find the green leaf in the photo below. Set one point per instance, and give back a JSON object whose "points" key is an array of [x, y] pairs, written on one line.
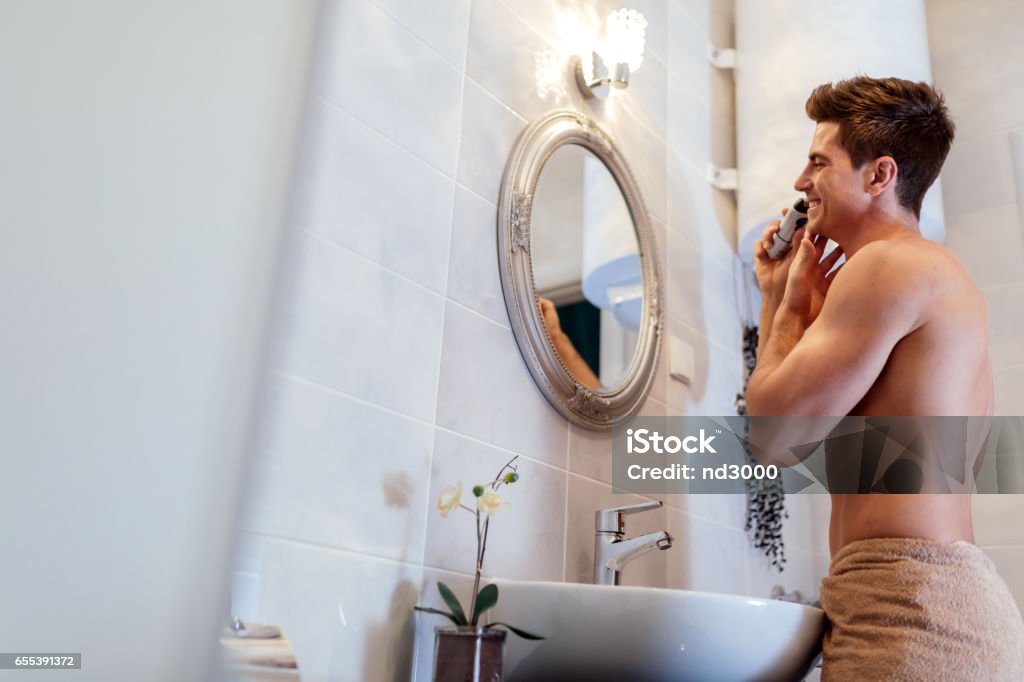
{"points": [[458, 615], [427, 609], [525, 634], [487, 598]]}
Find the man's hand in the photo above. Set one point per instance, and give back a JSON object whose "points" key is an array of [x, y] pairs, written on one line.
{"points": [[549, 315], [809, 278], [772, 274]]}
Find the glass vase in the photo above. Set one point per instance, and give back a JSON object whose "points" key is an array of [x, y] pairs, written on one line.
{"points": [[468, 654]]}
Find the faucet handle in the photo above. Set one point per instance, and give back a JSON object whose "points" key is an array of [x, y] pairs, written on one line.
{"points": [[613, 519]]}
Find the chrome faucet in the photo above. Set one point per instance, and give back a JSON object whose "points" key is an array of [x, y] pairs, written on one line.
{"points": [[612, 551]]}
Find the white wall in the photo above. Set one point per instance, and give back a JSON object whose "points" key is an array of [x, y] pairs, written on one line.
{"points": [[146, 153], [976, 57], [396, 370]]}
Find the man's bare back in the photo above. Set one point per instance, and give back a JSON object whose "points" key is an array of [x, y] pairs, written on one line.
{"points": [[942, 367]]}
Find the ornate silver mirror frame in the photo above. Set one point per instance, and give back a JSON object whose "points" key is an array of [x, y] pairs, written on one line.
{"points": [[601, 409]]}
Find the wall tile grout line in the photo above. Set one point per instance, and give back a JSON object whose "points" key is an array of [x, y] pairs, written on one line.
{"points": [[350, 396], [678, 320], [707, 519], [497, 99], [286, 539], [703, 99], [693, 20], [414, 34], [713, 260], [497, 324], [423, 422], [341, 107], [688, 162], [448, 176], [427, 566], [591, 479], [405, 278], [499, 448]]}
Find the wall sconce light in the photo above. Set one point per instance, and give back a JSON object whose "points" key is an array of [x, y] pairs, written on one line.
{"points": [[620, 54]]}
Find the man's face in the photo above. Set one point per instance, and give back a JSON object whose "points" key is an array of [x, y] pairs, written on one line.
{"points": [[834, 188]]}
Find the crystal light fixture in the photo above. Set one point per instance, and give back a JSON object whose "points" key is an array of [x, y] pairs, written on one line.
{"points": [[621, 54]]}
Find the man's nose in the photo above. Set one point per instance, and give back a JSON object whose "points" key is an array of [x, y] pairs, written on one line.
{"points": [[803, 182]]}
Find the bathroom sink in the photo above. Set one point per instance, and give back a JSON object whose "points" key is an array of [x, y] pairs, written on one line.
{"points": [[641, 634]]}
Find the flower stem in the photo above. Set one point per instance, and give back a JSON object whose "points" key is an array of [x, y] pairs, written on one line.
{"points": [[498, 480], [480, 540], [483, 546]]}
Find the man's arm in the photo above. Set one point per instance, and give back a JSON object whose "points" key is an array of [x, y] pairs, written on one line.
{"points": [[826, 370], [769, 306], [571, 358], [771, 279]]}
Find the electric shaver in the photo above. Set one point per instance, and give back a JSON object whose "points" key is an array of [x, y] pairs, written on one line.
{"points": [[782, 240]]}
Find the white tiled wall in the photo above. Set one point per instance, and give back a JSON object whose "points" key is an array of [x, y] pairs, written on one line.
{"points": [[975, 62], [396, 369]]}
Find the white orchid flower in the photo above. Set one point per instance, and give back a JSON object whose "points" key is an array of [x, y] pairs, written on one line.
{"points": [[491, 502], [450, 498]]}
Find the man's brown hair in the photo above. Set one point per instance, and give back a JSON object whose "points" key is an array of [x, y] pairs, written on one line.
{"points": [[889, 117]]}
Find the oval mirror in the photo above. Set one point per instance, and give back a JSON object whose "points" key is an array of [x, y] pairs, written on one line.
{"points": [[579, 272]]}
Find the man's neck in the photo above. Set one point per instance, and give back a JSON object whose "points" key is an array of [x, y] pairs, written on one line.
{"points": [[879, 225]]}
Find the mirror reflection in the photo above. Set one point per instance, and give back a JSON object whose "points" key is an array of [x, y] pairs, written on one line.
{"points": [[586, 267]]}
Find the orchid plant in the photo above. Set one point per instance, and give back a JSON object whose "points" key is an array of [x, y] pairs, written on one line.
{"points": [[488, 501]]}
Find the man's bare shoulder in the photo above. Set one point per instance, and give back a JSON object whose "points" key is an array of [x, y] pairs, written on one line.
{"points": [[914, 262], [907, 282], [887, 268], [918, 275]]}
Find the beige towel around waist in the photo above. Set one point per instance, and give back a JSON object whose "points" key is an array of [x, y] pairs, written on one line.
{"points": [[913, 609]]}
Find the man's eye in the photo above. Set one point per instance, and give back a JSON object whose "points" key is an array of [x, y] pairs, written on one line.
{"points": [[818, 165]]}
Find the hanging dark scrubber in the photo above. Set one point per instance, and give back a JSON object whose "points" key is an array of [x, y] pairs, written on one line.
{"points": [[766, 501]]}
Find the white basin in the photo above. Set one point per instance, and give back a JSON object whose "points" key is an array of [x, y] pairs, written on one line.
{"points": [[642, 634]]}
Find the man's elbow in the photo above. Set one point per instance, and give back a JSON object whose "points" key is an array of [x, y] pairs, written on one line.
{"points": [[756, 399], [755, 408], [770, 433], [768, 395]]}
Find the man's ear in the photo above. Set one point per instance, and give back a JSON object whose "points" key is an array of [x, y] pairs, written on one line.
{"points": [[880, 175]]}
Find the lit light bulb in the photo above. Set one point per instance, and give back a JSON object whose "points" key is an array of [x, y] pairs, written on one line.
{"points": [[624, 38], [610, 62]]}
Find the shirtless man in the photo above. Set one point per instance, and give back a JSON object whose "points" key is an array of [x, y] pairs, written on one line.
{"points": [[899, 329]]}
